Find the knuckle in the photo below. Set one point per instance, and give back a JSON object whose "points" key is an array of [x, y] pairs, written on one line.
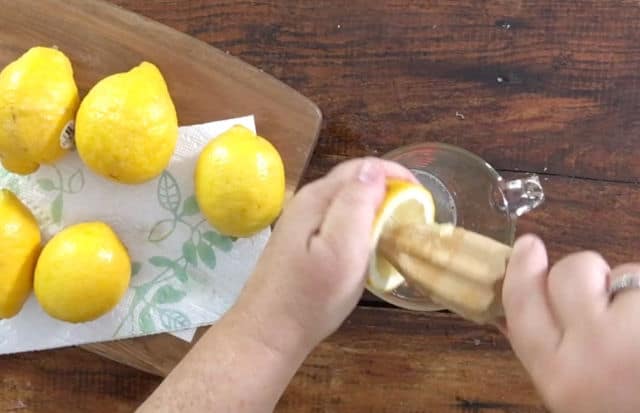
{"points": [[591, 257], [557, 392], [558, 384], [514, 306], [584, 260], [351, 166], [306, 191], [323, 248], [334, 254], [353, 196], [624, 269], [345, 166], [326, 257], [372, 159], [526, 242]]}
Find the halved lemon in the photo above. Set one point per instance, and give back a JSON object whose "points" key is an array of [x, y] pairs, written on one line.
{"points": [[405, 203]]}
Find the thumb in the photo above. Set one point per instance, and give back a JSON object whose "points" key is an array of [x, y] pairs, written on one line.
{"points": [[349, 219], [532, 328]]}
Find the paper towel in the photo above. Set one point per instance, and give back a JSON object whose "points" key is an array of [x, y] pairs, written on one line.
{"points": [[185, 274]]}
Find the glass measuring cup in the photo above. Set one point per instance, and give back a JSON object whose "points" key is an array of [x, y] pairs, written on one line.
{"points": [[467, 192]]}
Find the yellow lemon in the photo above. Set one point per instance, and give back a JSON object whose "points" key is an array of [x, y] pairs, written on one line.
{"points": [[405, 203], [240, 182], [127, 127], [38, 101], [82, 273], [19, 249]]}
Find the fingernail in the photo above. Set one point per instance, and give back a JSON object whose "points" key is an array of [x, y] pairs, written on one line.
{"points": [[525, 242], [369, 172]]}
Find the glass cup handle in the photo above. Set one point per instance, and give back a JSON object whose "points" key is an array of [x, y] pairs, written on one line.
{"points": [[521, 195]]}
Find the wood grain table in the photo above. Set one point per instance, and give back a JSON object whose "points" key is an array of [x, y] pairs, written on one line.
{"points": [[543, 86]]}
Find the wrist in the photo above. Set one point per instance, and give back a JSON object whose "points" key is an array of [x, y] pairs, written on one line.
{"points": [[273, 328]]}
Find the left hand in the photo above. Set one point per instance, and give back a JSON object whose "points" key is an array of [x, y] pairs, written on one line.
{"points": [[579, 344]]}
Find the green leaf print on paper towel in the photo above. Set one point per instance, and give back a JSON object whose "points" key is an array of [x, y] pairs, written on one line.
{"points": [[135, 268], [71, 184], [145, 321], [76, 182], [167, 286], [61, 184], [170, 198], [206, 254], [218, 241], [190, 207], [162, 230], [189, 252], [173, 320], [13, 182], [169, 192], [46, 184], [56, 209], [168, 295]]}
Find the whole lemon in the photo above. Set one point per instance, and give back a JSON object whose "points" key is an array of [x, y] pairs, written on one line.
{"points": [[240, 182], [82, 273], [127, 127], [19, 249], [38, 101]]}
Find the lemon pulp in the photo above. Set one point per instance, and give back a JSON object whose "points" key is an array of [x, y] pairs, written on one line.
{"points": [[405, 203]]}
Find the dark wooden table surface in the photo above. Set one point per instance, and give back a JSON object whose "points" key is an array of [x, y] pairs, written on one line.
{"points": [[543, 86]]}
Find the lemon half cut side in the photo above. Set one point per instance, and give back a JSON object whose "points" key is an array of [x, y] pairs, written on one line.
{"points": [[405, 203]]}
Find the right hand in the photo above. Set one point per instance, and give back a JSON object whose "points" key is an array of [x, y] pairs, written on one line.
{"points": [[580, 348]]}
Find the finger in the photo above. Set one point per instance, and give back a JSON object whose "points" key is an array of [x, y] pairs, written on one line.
{"points": [[578, 288], [346, 227], [531, 326], [326, 188], [312, 201], [625, 300]]}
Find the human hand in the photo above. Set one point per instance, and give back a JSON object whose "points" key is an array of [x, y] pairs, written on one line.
{"points": [[312, 271], [580, 347]]}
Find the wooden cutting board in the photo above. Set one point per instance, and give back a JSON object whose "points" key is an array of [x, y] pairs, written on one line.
{"points": [[205, 83]]}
